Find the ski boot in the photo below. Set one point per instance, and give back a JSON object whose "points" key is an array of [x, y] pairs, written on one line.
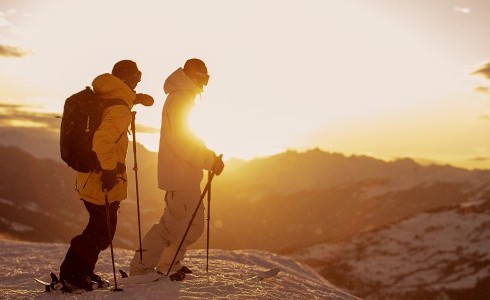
{"points": [[180, 274], [177, 276], [78, 282], [185, 270], [101, 283]]}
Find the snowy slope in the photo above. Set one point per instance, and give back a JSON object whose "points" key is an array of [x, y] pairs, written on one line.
{"points": [[227, 277], [444, 253]]}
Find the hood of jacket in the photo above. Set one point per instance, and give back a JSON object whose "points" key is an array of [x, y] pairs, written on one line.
{"points": [[109, 86], [179, 81]]}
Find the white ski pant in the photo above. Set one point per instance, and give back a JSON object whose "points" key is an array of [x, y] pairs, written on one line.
{"points": [[163, 238]]}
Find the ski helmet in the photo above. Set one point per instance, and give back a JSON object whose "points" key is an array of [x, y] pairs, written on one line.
{"points": [[196, 70]]}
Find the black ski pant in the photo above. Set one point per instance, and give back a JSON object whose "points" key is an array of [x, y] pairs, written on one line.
{"points": [[84, 249]]}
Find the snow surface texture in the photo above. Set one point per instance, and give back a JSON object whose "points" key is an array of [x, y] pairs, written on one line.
{"points": [[229, 276], [436, 252]]}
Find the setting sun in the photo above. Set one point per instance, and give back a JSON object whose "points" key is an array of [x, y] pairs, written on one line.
{"points": [[339, 87]]}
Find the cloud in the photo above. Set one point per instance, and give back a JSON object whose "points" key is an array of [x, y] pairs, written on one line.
{"points": [[483, 70], [17, 115], [464, 10], [482, 89], [13, 115], [3, 21], [480, 159], [11, 51]]}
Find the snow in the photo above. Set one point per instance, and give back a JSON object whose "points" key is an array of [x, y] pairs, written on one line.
{"points": [[16, 226], [34, 207], [444, 250], [229, 277], [6, 201]]}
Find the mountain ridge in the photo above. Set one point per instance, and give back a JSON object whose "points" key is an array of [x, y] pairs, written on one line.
{"points": [[252, 196]]}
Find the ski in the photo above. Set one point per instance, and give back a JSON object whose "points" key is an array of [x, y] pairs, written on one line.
{"points": [[65, 287], [139, 279], [156, 277], [153, 276], [57, 285], [265, 274]]}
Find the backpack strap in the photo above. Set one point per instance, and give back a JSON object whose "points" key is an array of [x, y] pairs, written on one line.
{"points": [[122, 133], [116, 101]]}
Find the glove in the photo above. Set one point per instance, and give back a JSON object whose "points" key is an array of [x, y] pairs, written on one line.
{"points": [[218, 165], [144, 99], [108, 178]]}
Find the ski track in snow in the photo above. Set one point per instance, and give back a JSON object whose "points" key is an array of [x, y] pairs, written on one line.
{"points": [[228, 277]]}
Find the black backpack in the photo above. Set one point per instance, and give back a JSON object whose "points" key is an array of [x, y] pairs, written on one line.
{"points": [[82, 115]]}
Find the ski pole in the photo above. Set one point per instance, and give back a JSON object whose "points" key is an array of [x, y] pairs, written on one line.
{"points": [[135, 168], [208, 220], [109, 231], [206, 189]]}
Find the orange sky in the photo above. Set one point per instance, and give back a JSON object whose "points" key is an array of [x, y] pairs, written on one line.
{"points": [[383, 78]]}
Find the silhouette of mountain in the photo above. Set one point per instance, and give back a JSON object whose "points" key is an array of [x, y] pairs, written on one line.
{"points": [[292, 199], [38, 142], [36, 197], [278, 203]]}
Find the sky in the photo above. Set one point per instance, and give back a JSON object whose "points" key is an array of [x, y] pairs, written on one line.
{"points": [[387, 79]]}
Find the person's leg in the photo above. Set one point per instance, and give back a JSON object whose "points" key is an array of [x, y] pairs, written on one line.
{"points": [[176, 218], [103, 239], [153, 243], [84, 249]]}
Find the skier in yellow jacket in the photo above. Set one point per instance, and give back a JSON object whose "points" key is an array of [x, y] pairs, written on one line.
{"points": [[110, 143], [182, 157]]}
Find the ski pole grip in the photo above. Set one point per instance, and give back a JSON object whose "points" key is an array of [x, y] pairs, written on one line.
{"points": [[211, 175], [133, 121]]}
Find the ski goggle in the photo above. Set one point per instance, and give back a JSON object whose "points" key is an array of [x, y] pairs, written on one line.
{"points": [[202, 78], [137, 76]]}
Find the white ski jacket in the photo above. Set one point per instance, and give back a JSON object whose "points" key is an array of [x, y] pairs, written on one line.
{"points": [[182, 156]]}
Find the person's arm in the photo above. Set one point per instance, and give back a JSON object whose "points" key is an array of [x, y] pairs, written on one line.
{"points": [[183, 141], [115, 123]]}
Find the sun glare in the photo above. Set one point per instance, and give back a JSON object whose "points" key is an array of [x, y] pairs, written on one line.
{"points": [[236, 133], [301, 91]]}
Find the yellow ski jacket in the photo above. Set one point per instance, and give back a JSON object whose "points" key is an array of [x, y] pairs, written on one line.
{"points": [[110, 142]]}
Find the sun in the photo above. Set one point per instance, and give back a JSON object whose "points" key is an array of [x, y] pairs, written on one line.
{"points": [[235, 139], [231, 132]]}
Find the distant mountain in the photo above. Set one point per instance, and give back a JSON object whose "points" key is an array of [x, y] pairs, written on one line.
{"points": [[437, 254], [39, 142], [280, 203], [292, 200], [38, 201], [36, 198]]}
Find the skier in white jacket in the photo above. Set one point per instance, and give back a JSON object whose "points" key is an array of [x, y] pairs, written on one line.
{"points": [[182, 157]]}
